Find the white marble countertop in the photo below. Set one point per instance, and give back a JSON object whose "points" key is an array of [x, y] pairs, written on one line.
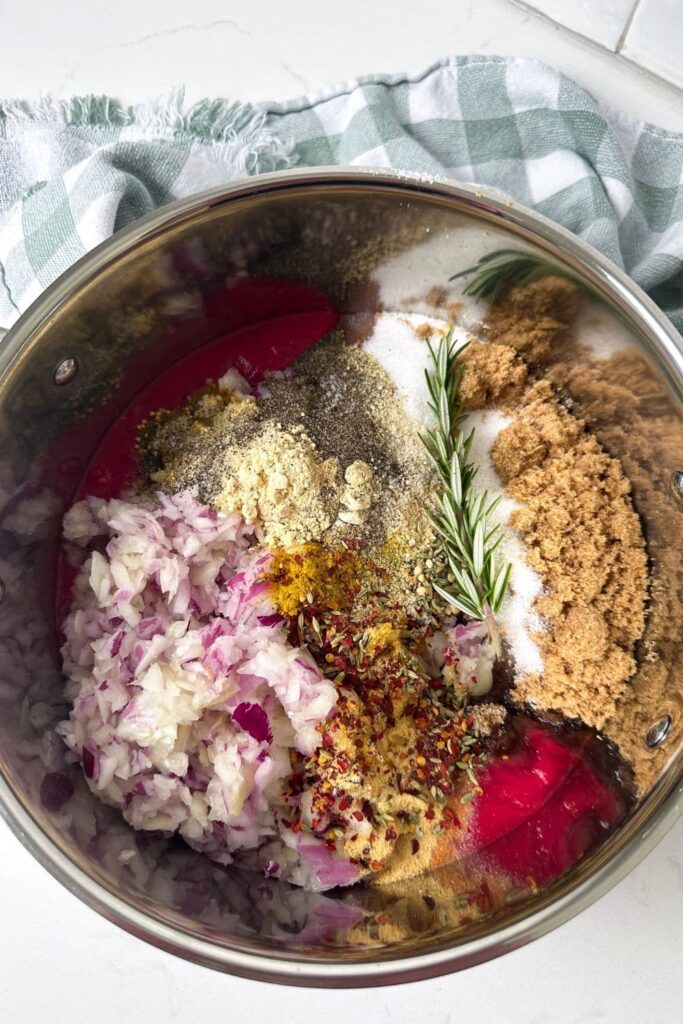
{"points": [[269, 50], [617, 963], [620, 961]]}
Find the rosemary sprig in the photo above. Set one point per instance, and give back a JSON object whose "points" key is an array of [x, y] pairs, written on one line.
{"points": [[462, 513], [500, 269]]}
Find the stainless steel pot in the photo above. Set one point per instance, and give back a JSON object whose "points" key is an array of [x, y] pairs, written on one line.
{"points": [[73, 362]]}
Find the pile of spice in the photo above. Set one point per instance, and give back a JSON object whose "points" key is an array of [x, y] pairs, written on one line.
{"points": [[403, 746], [398, 748], [322, 453]]}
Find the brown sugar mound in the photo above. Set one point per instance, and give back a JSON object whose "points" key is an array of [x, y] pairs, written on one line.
{"points": [[535, 317], [585, 541], [626, 406], [492, 375], [629, 411]]}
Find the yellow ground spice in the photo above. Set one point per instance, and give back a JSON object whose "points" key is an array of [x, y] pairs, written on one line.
{"points": [[384, 637], [313, 574]]}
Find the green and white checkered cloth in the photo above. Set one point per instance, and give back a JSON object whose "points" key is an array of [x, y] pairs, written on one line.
{"points": [[71, 173]]}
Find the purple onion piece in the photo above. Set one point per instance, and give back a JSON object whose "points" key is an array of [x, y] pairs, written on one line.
{"points": [[253, 719]]}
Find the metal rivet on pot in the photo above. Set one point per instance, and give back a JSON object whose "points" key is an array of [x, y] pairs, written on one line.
{"points": [[65, 371], [676, 484], [658, 731]]}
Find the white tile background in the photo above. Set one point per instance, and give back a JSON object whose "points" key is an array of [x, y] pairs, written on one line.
{"points": [[620, 961], [649, 33], [655, 38], [602, 21]]}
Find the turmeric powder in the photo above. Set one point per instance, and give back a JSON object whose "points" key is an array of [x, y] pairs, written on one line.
{"points": [[313, 574]]}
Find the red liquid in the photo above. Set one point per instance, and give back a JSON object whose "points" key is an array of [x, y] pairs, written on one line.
{"points": [[541, 808]]}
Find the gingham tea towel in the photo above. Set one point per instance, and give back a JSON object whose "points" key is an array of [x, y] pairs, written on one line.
{"points": [[72, 173]]}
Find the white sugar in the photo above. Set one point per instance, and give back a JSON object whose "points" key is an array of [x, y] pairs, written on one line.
{"points": [[517, 617], [404, 356], [602, 331], [407, 278]]}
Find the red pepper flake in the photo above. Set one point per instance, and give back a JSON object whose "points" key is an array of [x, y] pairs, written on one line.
{"points": [[390, 834], [429, 902], [415, 846], [358, 815], [376, 865], [345, 803], [429, 813]]}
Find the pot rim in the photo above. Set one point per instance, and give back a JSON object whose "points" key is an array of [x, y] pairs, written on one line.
{"points": [[652, 818]]}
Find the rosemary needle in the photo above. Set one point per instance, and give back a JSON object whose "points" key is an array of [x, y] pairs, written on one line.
{"points": [[462, 513], [500, 269]]}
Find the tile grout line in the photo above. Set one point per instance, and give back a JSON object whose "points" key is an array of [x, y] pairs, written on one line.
{"points": [[627, 27], [528, 7], [595, 46]]}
